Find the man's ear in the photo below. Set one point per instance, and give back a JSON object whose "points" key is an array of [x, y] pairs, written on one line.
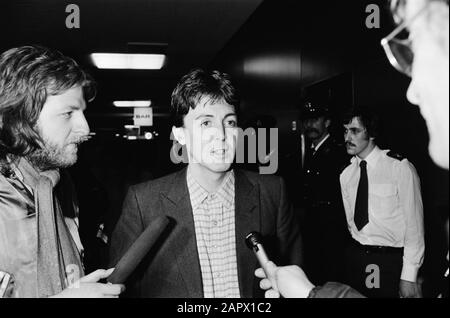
{"points": [[179, 135], [327, 123]]}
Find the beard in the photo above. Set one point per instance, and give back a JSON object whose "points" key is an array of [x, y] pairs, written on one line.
{"points": [[51, 156]]}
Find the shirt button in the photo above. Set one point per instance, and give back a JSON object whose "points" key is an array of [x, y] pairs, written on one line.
{"points": [[214, 223], [218, 274]]}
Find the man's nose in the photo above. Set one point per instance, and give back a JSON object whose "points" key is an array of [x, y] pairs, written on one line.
{"points": [[413, 93], [347, 136], [82, 125], [220, 132]]}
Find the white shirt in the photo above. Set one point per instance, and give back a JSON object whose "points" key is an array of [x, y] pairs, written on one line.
{"points": [[395, 207]]}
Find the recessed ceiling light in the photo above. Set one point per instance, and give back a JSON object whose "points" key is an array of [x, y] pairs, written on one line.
{"points": [[132, 103], [128, 61]]}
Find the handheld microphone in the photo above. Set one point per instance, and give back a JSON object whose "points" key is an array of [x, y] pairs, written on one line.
{"points": [[253, 241], [134, 255]]}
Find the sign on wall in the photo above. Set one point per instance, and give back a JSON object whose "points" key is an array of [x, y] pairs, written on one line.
{"points": [[143, 116]]}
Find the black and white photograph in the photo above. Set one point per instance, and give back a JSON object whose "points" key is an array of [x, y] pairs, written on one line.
{"points": [[224, 154]]}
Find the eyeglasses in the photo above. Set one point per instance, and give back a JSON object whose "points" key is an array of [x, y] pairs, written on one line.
{"points": [[399, 51]]}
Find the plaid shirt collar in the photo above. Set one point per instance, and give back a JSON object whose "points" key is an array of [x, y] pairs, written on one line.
{"points": [[198, 194]]}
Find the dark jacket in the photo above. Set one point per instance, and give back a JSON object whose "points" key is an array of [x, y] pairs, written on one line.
{"points": [[172, 268], [321, 187]]}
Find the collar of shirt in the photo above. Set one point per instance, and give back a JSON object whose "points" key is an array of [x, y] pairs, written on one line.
{"points": [[320, 143], [371, 159], [20, 177], [198, 194]]}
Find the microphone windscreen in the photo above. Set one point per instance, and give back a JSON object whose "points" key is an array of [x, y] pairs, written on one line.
{"points": [[134, 255]]}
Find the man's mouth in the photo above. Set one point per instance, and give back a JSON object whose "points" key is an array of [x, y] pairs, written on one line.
{"points": [[80, 140], [219, 152]]}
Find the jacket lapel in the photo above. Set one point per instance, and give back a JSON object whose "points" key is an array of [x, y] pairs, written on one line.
{"points": [[247, 220], [177, 205]]}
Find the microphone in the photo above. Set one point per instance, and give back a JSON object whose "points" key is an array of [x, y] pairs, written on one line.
{"points": [[253, 241], [134, 255]]}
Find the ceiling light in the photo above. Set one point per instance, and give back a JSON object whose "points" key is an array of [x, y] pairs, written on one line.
{"points": [[132, 103], [128, 61]]}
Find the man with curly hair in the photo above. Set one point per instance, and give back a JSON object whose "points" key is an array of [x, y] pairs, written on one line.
{"points": [[42, 98]]}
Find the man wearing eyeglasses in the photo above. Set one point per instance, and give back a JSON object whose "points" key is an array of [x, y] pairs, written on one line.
{"points": [[424, 57]]}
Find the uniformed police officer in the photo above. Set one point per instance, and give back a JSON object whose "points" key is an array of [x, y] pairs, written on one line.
{"points": [[383, 205], [325, 229]]}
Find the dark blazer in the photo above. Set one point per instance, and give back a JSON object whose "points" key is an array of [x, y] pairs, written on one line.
{"points": [[321, 186], [172, 267]]}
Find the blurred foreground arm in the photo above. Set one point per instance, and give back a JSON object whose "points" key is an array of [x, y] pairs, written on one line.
{"points": [[292, 283]]}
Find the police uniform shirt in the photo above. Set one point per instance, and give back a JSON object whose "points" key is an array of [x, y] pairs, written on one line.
{"points": [[395, 207]]}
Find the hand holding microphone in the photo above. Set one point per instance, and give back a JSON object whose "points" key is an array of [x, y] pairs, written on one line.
{"points": [[254, 242], [287, 281]]}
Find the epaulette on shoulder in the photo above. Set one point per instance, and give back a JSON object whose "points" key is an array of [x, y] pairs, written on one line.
{"points": [[395, 155]]}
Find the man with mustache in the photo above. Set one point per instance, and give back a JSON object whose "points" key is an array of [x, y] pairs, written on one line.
{"points": [[425, 58], [324, 212], [383, 204], [211, 206], [43, 95]]}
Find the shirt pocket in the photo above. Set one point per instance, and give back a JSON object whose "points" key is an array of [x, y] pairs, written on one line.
{"points": [[383, 198]]}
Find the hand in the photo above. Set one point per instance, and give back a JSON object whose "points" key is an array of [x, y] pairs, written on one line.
{"points": [[409, 289], [88, 287], [290, 281]]}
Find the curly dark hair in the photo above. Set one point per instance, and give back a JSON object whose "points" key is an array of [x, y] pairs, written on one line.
{"points": [[199, 83], [366, 116], [29, 74]]}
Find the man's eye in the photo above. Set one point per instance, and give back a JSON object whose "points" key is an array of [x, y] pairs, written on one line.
{"points": [[67, 114], [206, 123], [231, 123]]}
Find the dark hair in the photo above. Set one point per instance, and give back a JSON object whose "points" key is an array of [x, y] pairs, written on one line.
{"points": [[366, 117], [28, 74], [200, 83], [398, 8]]}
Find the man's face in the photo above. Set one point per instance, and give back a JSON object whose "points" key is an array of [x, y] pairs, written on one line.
{"points": [[210, 134], [429, 87], [316, 128], [62, 126], [357, 140]]}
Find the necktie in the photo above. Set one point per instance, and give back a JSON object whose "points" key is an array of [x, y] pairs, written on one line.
{"points": [[362, 198], [308, 156]]}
